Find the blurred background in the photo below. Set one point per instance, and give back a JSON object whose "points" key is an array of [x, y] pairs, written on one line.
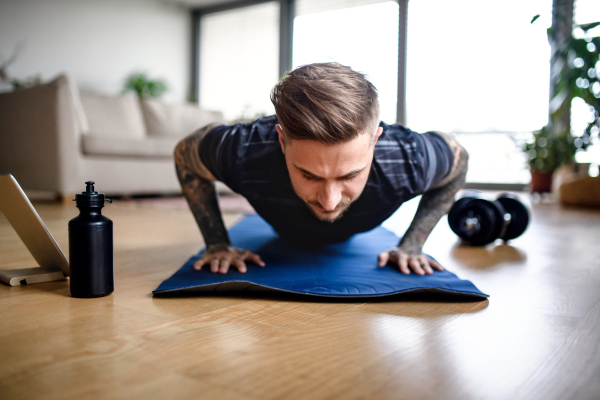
{"points": [[479, 69]]}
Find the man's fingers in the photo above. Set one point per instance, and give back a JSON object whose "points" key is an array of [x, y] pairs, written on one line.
{"points": [[224, 265], [199, 263], [436, 265], [214, 264], [425, 265], [221, 261], [415, 265], [419, 264], [239, 264], [255, 258], [383, 258], [403, 264]]}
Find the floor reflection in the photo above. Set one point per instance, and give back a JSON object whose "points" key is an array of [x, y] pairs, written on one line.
{"points": [[487, 256]]}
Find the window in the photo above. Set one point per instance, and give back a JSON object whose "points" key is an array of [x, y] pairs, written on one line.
{"points": [[239, 60], [355, 33], [481, 70], [477, 68]]}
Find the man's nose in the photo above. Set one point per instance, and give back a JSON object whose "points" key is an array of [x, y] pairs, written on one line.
{"points": [[329, 196]]}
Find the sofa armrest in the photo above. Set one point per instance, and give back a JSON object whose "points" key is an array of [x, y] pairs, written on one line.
{"points": [[40, 137]]}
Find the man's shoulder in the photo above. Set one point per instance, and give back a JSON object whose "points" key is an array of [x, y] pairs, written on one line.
{"points": [[233, 152], [405, 157], [398, 161], [260, 131], [396, 137]]}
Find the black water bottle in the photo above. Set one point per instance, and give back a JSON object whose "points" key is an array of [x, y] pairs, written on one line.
{"points": [[91, 247]]}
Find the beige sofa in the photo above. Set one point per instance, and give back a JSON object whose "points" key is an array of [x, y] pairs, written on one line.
{"points": [[53, 139]]}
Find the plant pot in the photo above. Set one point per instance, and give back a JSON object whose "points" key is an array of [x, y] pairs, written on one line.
{"points": [[541, 181]]}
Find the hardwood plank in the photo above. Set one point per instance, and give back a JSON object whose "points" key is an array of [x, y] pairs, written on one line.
{"points": [[336, 347], [572, 369], [466, 358]]}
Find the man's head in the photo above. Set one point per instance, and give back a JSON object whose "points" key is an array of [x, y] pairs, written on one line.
{"points": [[327, 102], [329, 123]]}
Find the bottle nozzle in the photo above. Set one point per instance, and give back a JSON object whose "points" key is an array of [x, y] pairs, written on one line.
{"points": [[90, 198], [89, 187]]}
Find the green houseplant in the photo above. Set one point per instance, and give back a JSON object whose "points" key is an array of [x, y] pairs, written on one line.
{"points": [[575, 75], [545, 154], [579, 76], [143, 86]]}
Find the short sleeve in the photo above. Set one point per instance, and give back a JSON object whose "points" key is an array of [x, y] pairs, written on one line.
{"points": [[410, 163], [218, 152], [238, 154], [439, 159]]}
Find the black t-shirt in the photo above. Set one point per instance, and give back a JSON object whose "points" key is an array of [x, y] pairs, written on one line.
{"points": [[248, 159]]}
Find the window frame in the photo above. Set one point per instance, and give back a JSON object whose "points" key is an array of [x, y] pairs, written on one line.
{"points": [[286, 41], [286, 28]]}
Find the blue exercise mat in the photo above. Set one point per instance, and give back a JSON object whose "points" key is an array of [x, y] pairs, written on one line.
{"points": [[348, 269]]}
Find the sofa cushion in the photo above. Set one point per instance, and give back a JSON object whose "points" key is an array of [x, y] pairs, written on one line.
{"points": [[156, 147], [114, 116], [163, 119]]}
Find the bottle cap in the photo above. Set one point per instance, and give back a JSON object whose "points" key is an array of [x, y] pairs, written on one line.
{"points": [[90, 198]]}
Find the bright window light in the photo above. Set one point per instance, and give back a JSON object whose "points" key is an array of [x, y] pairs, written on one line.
{"points": [[239, 60], [478, 66], [363, 37]]}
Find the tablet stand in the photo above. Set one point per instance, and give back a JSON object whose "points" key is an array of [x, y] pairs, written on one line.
{"points": [[26, 222], [26, 276]]}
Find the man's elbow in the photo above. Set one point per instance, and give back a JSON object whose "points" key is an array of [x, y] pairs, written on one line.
{"points": [[187, 157], [178, 153]]}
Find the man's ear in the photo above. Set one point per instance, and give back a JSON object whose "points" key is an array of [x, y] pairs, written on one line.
{"points": [[377, 134], [281, 139]]}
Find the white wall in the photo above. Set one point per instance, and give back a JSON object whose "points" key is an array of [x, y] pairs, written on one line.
{"points": [[98, 42]]}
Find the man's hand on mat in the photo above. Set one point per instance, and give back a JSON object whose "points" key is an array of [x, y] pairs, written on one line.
{"points": [[409, 259], [221, 256]]}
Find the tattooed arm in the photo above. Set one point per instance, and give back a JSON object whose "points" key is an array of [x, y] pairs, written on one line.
{"points": [[197, 184], [434, 203]]}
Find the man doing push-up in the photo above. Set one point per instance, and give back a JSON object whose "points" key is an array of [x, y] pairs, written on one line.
{"points": [[322, 169]]}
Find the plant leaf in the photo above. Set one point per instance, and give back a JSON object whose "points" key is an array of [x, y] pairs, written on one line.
{"points": [[587, 27]]}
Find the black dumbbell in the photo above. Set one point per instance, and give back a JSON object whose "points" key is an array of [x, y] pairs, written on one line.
{"points": [[479, 221]]}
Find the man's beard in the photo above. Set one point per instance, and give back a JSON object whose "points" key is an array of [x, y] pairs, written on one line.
{"points": [[344, 204]]}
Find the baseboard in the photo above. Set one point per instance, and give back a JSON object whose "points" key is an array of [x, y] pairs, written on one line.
{"points": [[509, 187]]}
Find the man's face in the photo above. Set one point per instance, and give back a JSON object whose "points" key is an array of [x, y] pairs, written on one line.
{"points": [[328, 178]]}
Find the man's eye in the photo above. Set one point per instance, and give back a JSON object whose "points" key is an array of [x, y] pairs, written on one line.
{"points": [[349, 178], [308, 177]]}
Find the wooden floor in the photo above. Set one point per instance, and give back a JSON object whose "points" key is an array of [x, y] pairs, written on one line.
{"points": [[538, 336]]}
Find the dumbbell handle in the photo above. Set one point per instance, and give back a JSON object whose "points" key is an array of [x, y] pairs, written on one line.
{"points": [[470, 223]]}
